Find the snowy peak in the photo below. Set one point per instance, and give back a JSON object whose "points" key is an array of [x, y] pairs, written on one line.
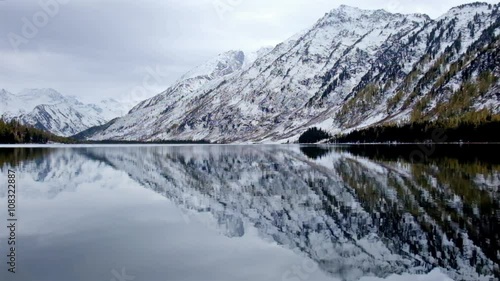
{"points": [[355, 18], [206, 75], [48, 94], [62, 115], [349, 11], [468, 10], [222, 65], [251, 57], [111, 108], [345, 13], [471, 7], [28, 99]]}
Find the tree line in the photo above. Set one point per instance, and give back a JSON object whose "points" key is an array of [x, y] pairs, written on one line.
{"points": [[435, 132], [13, 132], [314, 135]]}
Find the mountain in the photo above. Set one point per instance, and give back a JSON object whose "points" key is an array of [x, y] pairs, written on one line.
{"points": [[191, 86], [354, 68], [27, 100], [48, 110]]}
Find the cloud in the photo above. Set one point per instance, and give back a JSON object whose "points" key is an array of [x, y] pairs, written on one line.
{"points": [[98, 48]]}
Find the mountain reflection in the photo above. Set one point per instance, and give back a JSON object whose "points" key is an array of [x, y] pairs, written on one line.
{"points": [[376, 214], [315, 152]]}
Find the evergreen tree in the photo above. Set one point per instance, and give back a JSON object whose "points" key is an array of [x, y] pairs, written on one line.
{"points": [[314, 135], [13, 132]]}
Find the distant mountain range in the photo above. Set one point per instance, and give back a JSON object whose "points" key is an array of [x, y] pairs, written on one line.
{"points": [[48, 110], [354, 68]]}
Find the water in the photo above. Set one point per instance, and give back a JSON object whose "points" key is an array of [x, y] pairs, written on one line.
{"points": [[253, 213]]}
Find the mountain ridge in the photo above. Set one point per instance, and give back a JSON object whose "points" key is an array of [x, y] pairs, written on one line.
{"points": [[352, 69], [49, 110]]}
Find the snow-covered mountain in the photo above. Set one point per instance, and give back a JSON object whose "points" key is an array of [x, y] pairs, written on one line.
{"points": [[191, 86], [25, 101], [111, 108], [353, 68], [49, 110]]}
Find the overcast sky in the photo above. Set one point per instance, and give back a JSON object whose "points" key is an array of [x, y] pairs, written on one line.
{"points": [[96, 49]]}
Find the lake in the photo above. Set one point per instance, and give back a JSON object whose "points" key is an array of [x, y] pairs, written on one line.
{"points": [[289, 212]]}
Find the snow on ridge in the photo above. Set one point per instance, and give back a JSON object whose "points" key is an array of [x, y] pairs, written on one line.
{"points": [[304, 81], [221, 65], [47, 109]]}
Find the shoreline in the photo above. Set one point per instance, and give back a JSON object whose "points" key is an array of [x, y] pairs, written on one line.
{"points": [[61, 145]]}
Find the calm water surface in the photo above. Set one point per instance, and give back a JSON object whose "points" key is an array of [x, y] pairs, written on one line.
{"points": [[252, 213]]}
